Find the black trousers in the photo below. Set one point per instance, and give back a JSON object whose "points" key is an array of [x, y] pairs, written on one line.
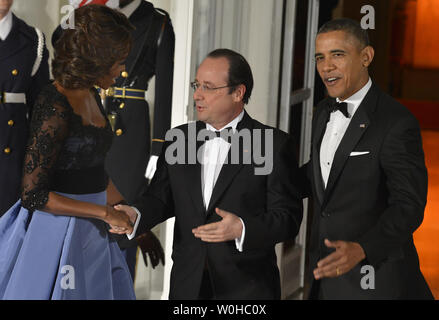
{"points": [[206, 288], [316, 292]]}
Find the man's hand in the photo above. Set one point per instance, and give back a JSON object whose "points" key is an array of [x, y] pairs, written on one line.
{"points": [[130, 212], [149, 244], [229, 228], [118, 220], [346, 256]]}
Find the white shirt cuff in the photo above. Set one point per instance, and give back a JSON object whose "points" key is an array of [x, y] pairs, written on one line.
{"points": [[136, 224], [240, 241]]}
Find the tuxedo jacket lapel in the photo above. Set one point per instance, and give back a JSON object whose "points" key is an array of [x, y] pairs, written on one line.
{"points": [[357, 127], [193, 172], [320, 126], [229, 170]]}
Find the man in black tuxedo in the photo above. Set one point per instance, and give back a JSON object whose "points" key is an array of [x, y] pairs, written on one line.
{"points": [[228, 214], [368, 179]]}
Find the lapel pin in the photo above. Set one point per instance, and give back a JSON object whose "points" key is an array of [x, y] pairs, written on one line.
{"points": [[362, 126]]}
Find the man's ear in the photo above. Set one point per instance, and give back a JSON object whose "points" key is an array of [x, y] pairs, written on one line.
{"points": [[367, 55], [238, 94]]}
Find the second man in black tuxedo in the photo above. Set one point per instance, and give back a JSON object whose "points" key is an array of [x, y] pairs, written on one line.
{"points": [[228, 218], [368, 177]]}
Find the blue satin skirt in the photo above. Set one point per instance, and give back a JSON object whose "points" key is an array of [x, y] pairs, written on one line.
{"points": [[45, 256]]}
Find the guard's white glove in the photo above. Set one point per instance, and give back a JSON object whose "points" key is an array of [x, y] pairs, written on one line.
{"points": [[152, 166]]}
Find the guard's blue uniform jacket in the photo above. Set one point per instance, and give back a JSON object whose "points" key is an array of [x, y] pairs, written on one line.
{"points": [[24, 71]]}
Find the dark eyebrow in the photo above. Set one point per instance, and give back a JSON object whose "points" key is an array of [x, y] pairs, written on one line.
{"points": [[207, 82], [318, 54], [338, 51]]}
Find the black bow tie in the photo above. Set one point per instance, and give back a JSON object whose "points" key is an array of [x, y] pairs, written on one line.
{"points": [[340, 106], [224, 134]]}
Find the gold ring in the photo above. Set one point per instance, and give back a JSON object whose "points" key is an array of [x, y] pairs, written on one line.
{"points": [[337, 270]]}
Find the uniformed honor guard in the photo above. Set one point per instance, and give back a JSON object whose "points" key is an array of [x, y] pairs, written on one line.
{"points": [[24, 71], [134, 149]]}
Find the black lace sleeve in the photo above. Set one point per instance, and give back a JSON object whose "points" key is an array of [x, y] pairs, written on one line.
{"points": [[48, 130]]}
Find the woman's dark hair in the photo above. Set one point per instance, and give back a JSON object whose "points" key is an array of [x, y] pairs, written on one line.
{"points": [[101, 37], [239, 71]]}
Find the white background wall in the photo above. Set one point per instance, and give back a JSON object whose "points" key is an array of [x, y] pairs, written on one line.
{"points": [[252, 28]]}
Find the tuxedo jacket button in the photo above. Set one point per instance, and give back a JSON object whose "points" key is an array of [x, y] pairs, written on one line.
{"points": [[325, 214]]}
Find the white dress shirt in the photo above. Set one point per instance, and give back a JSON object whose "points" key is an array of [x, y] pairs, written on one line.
{"points": [[136, 224], [336, 128], [5, 26]]}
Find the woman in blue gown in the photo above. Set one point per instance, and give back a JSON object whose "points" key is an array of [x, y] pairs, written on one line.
{"points": [[55, 241]]}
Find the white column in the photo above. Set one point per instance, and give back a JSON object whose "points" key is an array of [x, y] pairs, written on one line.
{"points": [[260, 43], [162, 4], [181, 15]]}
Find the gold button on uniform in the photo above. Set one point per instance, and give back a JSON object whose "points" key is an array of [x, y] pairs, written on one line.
{"points": [[14, 72], [124, 74], [122, 105], [7, 150], [10, 123], [119, 132]]}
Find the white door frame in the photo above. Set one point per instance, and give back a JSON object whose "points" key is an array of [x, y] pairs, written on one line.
{"points": [[182, 18], [288, 99]]}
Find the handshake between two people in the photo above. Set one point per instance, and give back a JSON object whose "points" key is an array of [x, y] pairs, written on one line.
{"points": [[122, 218]]}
